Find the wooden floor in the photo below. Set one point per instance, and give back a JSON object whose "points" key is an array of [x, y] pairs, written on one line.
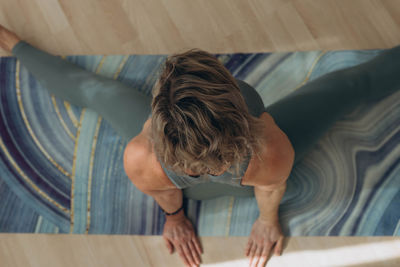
{"points": [[218, 26], [44, 250]]}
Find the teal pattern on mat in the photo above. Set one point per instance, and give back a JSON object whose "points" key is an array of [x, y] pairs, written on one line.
{"points": [[61, 166]]}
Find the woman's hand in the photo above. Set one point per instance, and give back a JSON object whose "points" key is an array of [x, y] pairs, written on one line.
{"points": [[264, 235], [179, 233], [8, 39]]}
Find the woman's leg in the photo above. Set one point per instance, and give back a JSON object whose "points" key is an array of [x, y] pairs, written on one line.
{"points": [[125, 108], [307, 113]]}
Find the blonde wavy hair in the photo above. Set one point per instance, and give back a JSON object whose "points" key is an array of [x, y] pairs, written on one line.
{"points": [[200, 120]]}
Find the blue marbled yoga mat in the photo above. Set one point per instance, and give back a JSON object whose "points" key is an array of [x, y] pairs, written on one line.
{"points": [[61, 166]]}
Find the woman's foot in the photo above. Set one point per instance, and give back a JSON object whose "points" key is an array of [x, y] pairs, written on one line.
{"points": [[8, 39]]}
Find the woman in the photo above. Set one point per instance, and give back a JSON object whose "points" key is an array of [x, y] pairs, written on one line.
{"points": [[209, 134]]}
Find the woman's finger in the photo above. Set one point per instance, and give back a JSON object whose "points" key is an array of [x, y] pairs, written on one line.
{"points": [[197, 245], [257, 255], [188, 254], [182, 254], [169, 245], [247, 249], [193, 250], [279, 246], [253, 249], [264, 256]]}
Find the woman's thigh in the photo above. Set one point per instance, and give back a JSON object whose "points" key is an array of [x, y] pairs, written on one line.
{"points": [[307, 113]]}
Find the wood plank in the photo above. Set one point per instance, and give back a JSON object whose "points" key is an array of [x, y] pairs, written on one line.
{"points": [[218, 26], [132, 250]]}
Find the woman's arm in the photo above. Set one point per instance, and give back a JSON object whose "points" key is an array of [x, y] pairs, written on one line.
{"points": [[266, 230], [139, 165], [8, 39], [178, 231], [268, 176]]}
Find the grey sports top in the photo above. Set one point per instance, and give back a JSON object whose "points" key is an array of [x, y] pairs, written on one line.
{"points": [[256, 108]]}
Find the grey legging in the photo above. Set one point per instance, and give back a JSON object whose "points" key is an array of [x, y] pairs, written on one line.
{"points": [[304, 115]]}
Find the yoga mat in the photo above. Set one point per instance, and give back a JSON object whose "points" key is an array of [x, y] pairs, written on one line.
{"points": [[61, 168]]}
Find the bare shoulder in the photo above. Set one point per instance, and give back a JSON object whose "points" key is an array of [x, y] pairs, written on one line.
{"points": [[142, 166], [276, 160]]}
